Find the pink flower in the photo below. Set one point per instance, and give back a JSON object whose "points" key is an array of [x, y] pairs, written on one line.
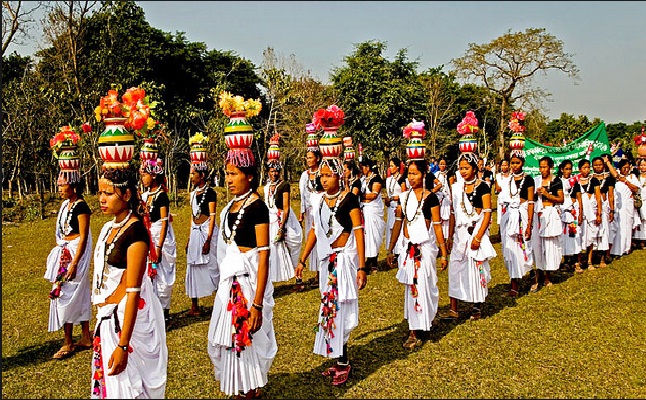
{"points": [[310, 128]]}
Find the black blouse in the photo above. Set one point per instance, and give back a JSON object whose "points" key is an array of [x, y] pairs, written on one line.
{"points": [[588, 187], [81, 207], [210, 197], [161, 200], [348, 203], [429, 202], [136, 232], [255, 213], [555, 186], [278, 195], [371, 182], [475, 197], [525, 185]]}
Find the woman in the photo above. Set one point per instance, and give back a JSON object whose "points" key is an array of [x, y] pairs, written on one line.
{"points": [[444, 195], [516, 223], [68, 269], [570, 212], [161, 261], [483, 173], [338, 236], [591, 210], [393, 191], [607, 229], [309, 185], [352, 177], [420, 209], [501, 186], [471, 249], [202, 272], [372, 207], [284, 229], [626, 186], [242, 351], [546, 238], [639, 234], [130, 353]]}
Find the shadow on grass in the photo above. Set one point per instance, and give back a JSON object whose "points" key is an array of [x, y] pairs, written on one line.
{"points": [[181, 319], [33, 355]]}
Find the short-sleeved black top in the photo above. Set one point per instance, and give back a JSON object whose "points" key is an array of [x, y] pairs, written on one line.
{"points": [[136, 232], [356, 184], [575, 190], [375, 179], [588, 187], [278, 195], [554, 187], [487, 174], [210, 197], [608, 182], [348, 203], [475, 197], [527, 182], [161, 200], [430, 180], [429, 202], [81, 207], [255, 213]]}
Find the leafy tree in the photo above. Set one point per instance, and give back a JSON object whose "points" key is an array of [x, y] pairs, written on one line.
{"points": [[508, 64], [17, 17]]}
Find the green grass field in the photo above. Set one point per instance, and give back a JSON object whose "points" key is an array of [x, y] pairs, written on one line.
{"points": [[581, 338]]}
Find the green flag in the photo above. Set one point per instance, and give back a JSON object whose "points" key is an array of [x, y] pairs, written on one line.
{"points": [[591, 144]]}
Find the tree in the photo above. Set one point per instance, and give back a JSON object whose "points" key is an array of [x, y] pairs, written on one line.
{"points": [[16, 18], [507, 65]]}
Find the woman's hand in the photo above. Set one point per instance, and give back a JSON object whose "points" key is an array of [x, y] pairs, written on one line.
{"points": [[390, 259], [598, 220], [362, 278], [206, 247], [71, 272], [443, 264], [528, 232], [118, 361], [299, 270], [255, 319], [611, 216], [475, 243]]}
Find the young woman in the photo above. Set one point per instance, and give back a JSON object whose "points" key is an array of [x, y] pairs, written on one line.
{"points": [[420, 209], [68, 269], [483, 173], [161, 261], [639, 235], [241, 340], [202, 272], [607, 230], [570, 212], [501, 186], [393, 191], [372, 207], [352, 177], [516, 223], [591, 210], [471, 249], [444, 195], [338, 236], [130, 353], [309, 185], [285, 231], [626, 186], [546, 238]]}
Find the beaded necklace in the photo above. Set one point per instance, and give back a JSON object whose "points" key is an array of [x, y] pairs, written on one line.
{"points": [[514, 180], [311, 183], [585, 188], [202, 190], [67, 229], [601, 182], [151, 198], [231, 236], [393, 184], [271, 200], [417, 210], [108, 250], [466, 196], [333, 211]]}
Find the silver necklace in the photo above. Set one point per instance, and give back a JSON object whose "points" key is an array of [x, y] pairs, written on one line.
{"points": [[332, 196], [332, 211], [271, 199], [202, 190], [108, 250], [67, 229], [311, 182], [393, 184], [514, 180], [418, 208], [466, 196], [151, 198], [228, 238]]}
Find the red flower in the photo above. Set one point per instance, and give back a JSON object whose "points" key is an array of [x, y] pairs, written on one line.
{"points": [[87, 128]]}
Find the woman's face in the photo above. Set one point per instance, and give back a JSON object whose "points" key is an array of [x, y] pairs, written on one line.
{"points": [[480, 165], [597, 166], [516, 165], [346, 172], [466, 170], [585, 170], [442, 165], [237, 181], [329, 180], [415, 176], [365, 169], [273, 174], [567, 171], [310, 160], [65, 191], [392, 168], [504, 166], [196, 177], [642, 166], [111, 199], [146, 179], [625, 169], [544, 169]]}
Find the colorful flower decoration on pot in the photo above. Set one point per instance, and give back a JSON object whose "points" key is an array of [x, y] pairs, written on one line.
{"points": [[415, 133], [467, 128], [312, 140], [199, 156], [238, 134], [517, 141], [64, 145], [331, 145]]}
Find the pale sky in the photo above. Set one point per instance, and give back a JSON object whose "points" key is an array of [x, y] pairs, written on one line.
{"points": [[607, 40]]}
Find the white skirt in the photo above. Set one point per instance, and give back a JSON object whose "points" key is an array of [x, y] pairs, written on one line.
{"points": [[283, 255], [165, 278], [374, 226], [516, 251], [308, 224], [546, 239], [202, 272]]}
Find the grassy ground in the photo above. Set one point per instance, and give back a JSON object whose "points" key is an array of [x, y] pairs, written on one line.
{"points": [[581, 338]]}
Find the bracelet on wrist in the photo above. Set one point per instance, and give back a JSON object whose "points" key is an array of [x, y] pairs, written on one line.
{"points": [[124, 347], [258, 307], [364, 269]]}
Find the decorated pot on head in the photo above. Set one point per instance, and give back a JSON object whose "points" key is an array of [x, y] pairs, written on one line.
{"points": [[273, 152], [238, 133], [331, 145], [348, 150], [467, 128], [64, 147], [312, 140], [517, 140], [415, 133], [198, 152]]}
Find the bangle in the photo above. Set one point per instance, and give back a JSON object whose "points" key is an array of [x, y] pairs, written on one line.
{"points": [[301, 262], [475, 239], [442, 258], [133, 289], [124, 347], [258, 307], [364, 269]]}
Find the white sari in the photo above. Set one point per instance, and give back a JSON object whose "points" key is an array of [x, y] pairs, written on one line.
{"points": [[373, 217]]}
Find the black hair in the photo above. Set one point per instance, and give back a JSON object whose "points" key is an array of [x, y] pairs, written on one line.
{"points": [[352, 166], [548, 160], [622, 162], [317, 155], [562, 165], [583, 162], [253, 171], [396, 161]]}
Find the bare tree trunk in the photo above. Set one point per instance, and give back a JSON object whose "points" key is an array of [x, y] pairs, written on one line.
{"points": [[501, 129], [10, 189], [41, 198]]}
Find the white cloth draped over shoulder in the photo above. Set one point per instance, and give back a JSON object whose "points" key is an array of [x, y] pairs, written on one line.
{"points": [[283, 255], [74, 303], [569, 210], [503, 196], [516, 250], [249, 369], [546, 234], [419, 310], [202, 270], [640, 214], [373, 217], [307, 192], [469, 271], [145, 374], [166, 268], [625, 220], [393, 189], [589, 229], [444, 197]]}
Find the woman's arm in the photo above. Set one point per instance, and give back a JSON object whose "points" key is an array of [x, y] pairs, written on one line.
{"points": [[530, 211], [374, 192], [134, 274], [439, 235], [309, 245], [206, 248], [163, 213], [394, 236], [486, 220], [262, 241], [84, 229], [438, 185], [611, 202], [362, 276]]}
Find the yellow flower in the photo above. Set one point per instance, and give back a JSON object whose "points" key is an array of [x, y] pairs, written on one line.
{"points": [[97, 113], [198, 138]]}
